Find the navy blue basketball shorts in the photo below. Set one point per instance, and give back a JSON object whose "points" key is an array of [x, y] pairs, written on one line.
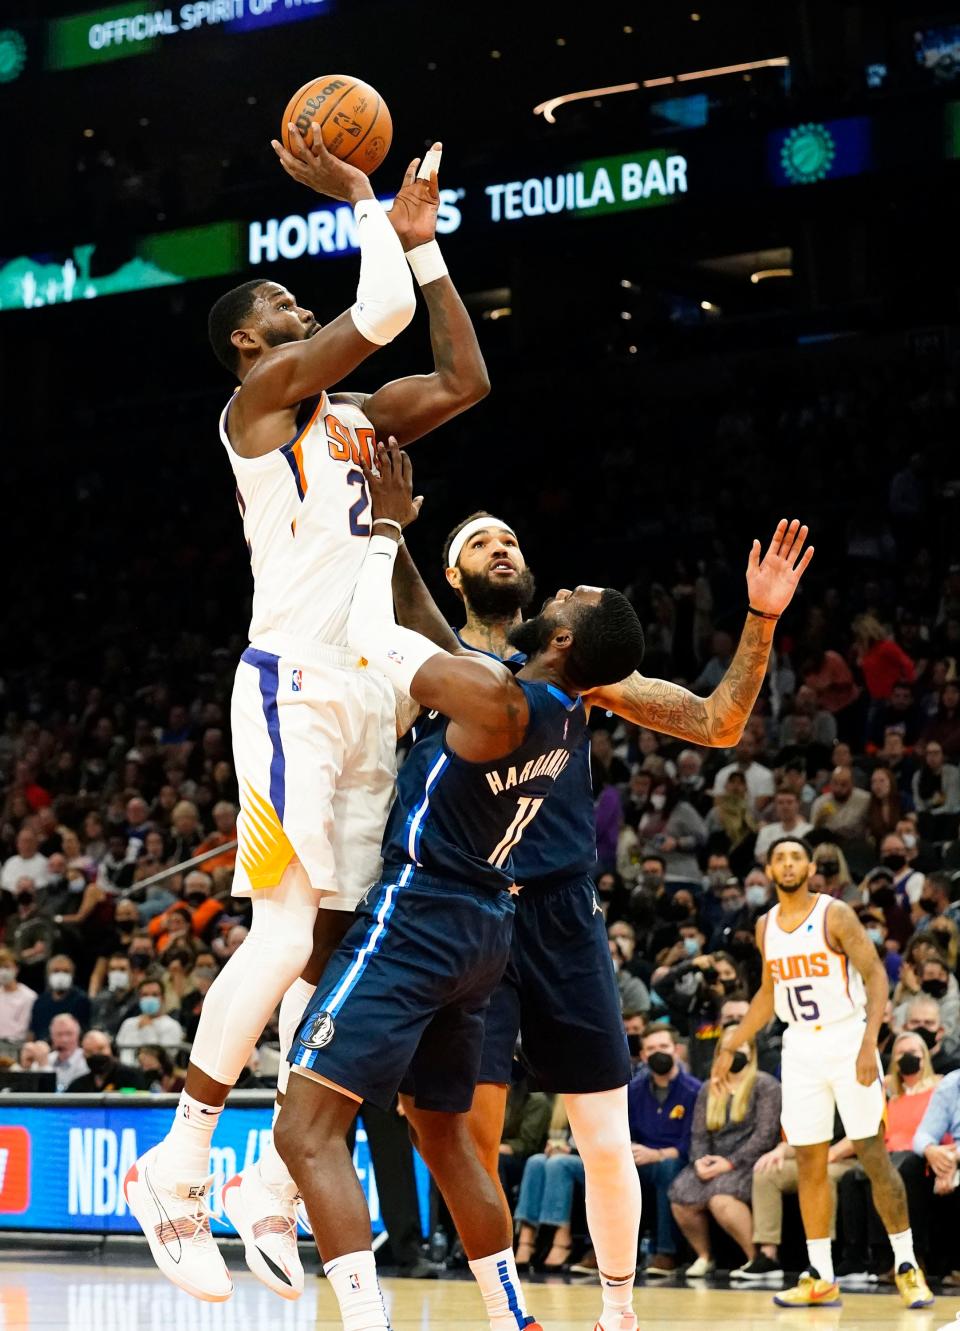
{"points": [[559, 993], [408, 988]]}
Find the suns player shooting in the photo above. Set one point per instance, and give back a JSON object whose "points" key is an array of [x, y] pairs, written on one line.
{"points": [[410, 983], [822, 976], [314, 733], [578, 1048]]}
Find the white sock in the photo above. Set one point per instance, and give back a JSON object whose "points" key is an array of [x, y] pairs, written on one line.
{"points": [[902, 1245], [184, 1153], [820, 1253], [355, 1283], [617, 1302], [502, 1293]]}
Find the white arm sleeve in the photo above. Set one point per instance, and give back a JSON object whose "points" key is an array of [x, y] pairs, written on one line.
{"points": [[385, 301], [372, 630]]}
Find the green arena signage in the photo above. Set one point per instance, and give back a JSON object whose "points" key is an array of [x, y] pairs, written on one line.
{"points": [[603, 185]]}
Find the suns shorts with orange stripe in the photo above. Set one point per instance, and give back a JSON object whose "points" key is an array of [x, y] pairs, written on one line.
{"points": [[314, 742], [819, 1077]]}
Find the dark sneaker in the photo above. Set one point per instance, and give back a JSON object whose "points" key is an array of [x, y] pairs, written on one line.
{"points": [[760, 1267], [853, 1270], [661, 1264]]}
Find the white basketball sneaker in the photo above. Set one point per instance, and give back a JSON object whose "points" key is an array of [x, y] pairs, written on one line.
{"points": [[265, 1217], [176, 1222]]}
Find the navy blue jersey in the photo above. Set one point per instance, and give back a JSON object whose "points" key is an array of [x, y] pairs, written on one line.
{"points": [[562, 840], [463, 821]]}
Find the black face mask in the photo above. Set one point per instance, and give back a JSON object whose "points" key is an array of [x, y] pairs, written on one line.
{"points": [[929, 1038], [909, 1064], [894, 862], [935, 988], [829, 867], [652, 882], [633, 1045], [709, 974], [738, 1062], [884, 897], [139, 960], [195, 898], [729, 986], [25, 898], [928, 904], [660, 1063], [884, 1032], [99, 1063]]}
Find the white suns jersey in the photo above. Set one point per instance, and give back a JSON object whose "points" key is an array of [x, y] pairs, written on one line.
{"points": [[813, 985], [306, 519]]}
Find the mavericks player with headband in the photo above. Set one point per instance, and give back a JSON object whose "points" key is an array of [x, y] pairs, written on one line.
{"points": [[314, 731], [822, 976], [411, 981], [573, 1038]]}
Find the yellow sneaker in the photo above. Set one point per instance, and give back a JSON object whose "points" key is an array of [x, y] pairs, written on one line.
{"points": [[810, 1292], [913, 1288]]}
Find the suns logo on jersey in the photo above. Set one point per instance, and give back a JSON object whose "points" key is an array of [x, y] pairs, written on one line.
{"points": [[815, 965]]}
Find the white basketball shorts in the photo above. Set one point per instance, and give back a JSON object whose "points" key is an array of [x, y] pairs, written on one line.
{"points": [[819, 1075], [314, 743]]}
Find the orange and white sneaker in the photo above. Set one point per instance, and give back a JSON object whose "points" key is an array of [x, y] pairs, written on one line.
{"points": [[913, 1287], [627, 1322], [810, 1292], [175, 1219], [265, 1217]]}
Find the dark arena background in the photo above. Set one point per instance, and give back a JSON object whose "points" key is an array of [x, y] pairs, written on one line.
{"points": [[709, 250]]}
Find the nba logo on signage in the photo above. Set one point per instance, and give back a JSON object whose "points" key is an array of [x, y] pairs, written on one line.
{"points": [[297, 682], [14, 1170]]}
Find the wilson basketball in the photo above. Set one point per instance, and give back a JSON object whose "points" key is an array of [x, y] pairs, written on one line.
{"points": [[353, 117]]}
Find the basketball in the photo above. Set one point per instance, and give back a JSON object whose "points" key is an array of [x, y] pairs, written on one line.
{"points": [[353, 117]]}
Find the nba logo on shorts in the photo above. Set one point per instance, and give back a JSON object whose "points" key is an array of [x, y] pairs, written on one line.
{"points": [[393, 655], [320, 1033], [296, 682]]}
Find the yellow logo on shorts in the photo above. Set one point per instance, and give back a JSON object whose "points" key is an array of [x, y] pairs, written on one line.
{"points": [[264, 850]]}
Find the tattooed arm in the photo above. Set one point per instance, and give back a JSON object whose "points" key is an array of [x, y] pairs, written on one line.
{"points": [[718, 721]]}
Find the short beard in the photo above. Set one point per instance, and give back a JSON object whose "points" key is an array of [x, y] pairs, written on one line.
{"points": [[532, 636], [495, 600], [789, 888]]}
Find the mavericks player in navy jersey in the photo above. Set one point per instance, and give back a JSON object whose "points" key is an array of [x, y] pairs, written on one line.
{"points": [[411, 981], [559, 989]]}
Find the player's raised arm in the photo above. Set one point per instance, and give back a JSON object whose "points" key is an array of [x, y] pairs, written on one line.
{"points": [[846, 934], [718, 721], [313, 358], [413, 406], [487, 708]]}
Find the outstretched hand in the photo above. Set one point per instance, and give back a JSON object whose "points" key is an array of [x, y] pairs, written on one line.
{"points": [[391, 485], [316, 167], [414, 212], [772, 581]]}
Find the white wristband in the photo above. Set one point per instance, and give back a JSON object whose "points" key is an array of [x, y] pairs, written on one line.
{"points": [[387, 522], [426, 263]]}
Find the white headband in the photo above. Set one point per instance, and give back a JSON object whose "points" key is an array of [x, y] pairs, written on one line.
{"points": [[486, 523]]}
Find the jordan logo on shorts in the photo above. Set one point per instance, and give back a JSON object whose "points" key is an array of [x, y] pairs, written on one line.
{"points": [[321, 1033], [296, 682], [597, 908]]}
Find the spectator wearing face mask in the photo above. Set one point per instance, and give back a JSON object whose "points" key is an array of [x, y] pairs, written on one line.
{"points": [[944, 932], [118, 999], [143, 958], [736, 916], [32, 935], [157, 1066], [936, 785], [201, 977], [634, 995], [732, 1129], [106, 1072], [671, 827], [66, 1057], [932, 907], [691, 782], [923, 1016], [759, 893], [907, 881], [152, 1027], [115, 938], [788, 822], [932, 1177], [634, 1026], [910, 1087], [661, 1107], [61, 995], [831, 863], [693, 992], [16, 1001], [874, 922]]}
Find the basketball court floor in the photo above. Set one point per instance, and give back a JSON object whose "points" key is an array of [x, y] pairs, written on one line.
{"points": [[44, 1292]]}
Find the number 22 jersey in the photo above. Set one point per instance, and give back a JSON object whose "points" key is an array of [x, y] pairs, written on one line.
{"points": [[813, 984], [306, 520]]}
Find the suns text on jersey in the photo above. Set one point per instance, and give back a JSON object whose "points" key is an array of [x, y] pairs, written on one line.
{"points": [[548, 764]]}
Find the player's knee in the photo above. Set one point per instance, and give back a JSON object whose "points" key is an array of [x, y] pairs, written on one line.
{"points": [[444, 1141]]}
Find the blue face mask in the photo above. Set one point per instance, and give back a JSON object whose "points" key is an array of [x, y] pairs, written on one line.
{"points": [[875, 936], [149, 1005], [691, 947]]}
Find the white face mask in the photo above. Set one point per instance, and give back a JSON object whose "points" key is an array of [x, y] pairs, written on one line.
{"points": [[59, 981], [756, 895], [118, 980], [658, 800], [7, 975]]}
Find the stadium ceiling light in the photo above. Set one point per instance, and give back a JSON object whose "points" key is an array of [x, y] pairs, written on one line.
{"points": [[547, 108], [762, 274]]}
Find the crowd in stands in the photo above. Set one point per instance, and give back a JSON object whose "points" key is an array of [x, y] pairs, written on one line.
{"points": [[115, 764]]}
